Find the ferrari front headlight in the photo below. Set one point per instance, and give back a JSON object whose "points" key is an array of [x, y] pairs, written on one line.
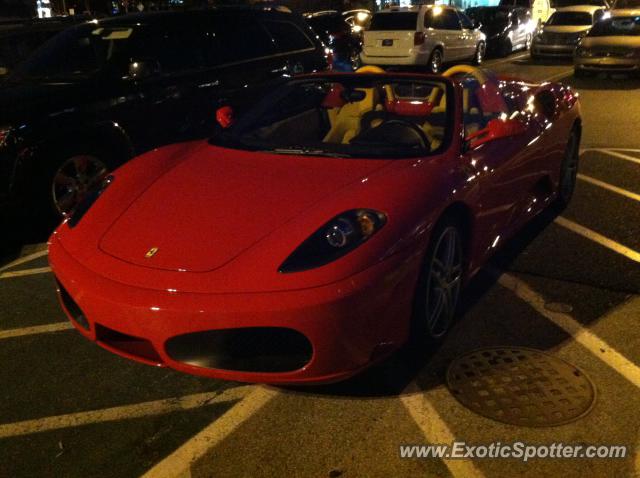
{"points": [[333, 240]]}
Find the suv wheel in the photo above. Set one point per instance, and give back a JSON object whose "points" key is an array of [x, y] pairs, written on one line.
{"points": [[479, 56], [435, 61]]}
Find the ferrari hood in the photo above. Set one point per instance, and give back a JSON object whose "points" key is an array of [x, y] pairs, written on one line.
{"points": [[216, 203]]}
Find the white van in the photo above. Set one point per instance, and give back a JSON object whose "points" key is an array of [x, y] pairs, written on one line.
{"points": [[427, 35]]}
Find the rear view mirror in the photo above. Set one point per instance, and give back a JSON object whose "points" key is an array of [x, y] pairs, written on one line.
{"points": [[224, 116], [496, 129], [144, 68]]}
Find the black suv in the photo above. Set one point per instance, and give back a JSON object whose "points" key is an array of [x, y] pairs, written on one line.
{"points": [[507, 28], [98, 93], [334, 30]]}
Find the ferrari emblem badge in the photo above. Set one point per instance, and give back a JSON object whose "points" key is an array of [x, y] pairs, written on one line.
{"points": [[151, 252]]}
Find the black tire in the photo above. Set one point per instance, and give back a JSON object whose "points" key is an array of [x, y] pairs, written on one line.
{"points": [[569, 170], [580, 73], [48, 193], [506, 48], [433, 316], [435, 61], [478, 58]]}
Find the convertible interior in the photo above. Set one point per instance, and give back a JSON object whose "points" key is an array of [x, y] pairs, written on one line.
{"points": [[392, 112]]}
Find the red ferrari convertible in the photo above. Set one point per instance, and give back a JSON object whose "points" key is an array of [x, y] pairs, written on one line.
{"points": [[318, 232]]}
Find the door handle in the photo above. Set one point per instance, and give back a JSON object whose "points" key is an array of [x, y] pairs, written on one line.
{"points": [[282, 70]]}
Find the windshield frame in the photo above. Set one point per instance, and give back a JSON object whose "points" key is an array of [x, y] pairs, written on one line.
{"points": [[229, 138]]}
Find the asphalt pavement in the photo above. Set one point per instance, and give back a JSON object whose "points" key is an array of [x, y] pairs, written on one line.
{"points": [[568, 285]]}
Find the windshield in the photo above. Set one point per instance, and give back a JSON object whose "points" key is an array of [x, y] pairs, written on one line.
{"points": [[347, 117], [616, 26], [489, 16], [570, 19], [75, 53], [394, 21]]}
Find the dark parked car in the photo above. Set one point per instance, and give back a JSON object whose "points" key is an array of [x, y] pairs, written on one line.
{"points": [[507, 28], [98, 93], [335, 32]]}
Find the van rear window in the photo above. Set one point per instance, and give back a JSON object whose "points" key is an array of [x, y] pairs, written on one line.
{"points": [[394, 21]]}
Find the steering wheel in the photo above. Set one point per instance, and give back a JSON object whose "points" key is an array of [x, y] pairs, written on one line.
{"points": [[385, 132], [477, 73]]}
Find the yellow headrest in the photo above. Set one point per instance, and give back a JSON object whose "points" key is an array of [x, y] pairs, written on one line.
{"points": [[370, 69]]}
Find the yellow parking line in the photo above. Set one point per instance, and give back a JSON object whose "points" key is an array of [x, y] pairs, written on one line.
{"points": [[598, 238], [178, 464], [25, 272], [435, 429], [23, 259], [36, 329], [598, 347], [610, 187], [617, 154], [125, 412]]}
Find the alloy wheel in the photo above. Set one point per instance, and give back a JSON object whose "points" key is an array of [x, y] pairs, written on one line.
{"points": [[76, 177], [569, 171], [444, 282]]}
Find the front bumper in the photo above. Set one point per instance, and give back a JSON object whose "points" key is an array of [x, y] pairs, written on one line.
{"points": [[553, 50], [608, 64], [347, 325]]}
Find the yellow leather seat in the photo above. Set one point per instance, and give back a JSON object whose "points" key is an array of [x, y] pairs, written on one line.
{"points": [[346, 122]]}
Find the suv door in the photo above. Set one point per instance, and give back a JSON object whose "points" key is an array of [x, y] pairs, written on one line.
{"points": [[447, 25], [161, 107], [468, 36]]}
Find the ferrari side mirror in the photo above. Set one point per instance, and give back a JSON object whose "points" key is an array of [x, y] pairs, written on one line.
{"points": [[224, 116], [495, 129]]}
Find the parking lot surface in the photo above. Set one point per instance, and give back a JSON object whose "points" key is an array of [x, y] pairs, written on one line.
{"points": [[566, 285]]}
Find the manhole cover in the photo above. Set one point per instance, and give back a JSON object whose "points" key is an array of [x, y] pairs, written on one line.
{"points": [[520, 386]]}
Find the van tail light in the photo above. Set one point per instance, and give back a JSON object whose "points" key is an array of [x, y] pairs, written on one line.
{"points": [[418, 38]]}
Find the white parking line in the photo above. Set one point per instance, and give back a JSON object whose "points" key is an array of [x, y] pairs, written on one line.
{"points": [[598, 238], [506, 60], [23, 259], [179, 462], [616, 154], [25, 272], [36, 329], [604, 185], [598, 347], [435, 429], [125, 412]]}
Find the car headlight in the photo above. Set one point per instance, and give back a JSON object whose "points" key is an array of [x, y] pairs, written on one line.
{"points": [[333, 240], [91, 197]]}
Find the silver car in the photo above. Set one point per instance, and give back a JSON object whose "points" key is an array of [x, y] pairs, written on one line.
{"points": [[425, 35], [612, 45], [565, 28]]}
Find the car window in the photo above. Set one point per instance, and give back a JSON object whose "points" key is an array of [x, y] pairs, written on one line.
{"points": [[628, 26], [445, 19], [76, 52], [394, 21], [466, 21], [175, 51], [288, 37], [240, 38]]}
